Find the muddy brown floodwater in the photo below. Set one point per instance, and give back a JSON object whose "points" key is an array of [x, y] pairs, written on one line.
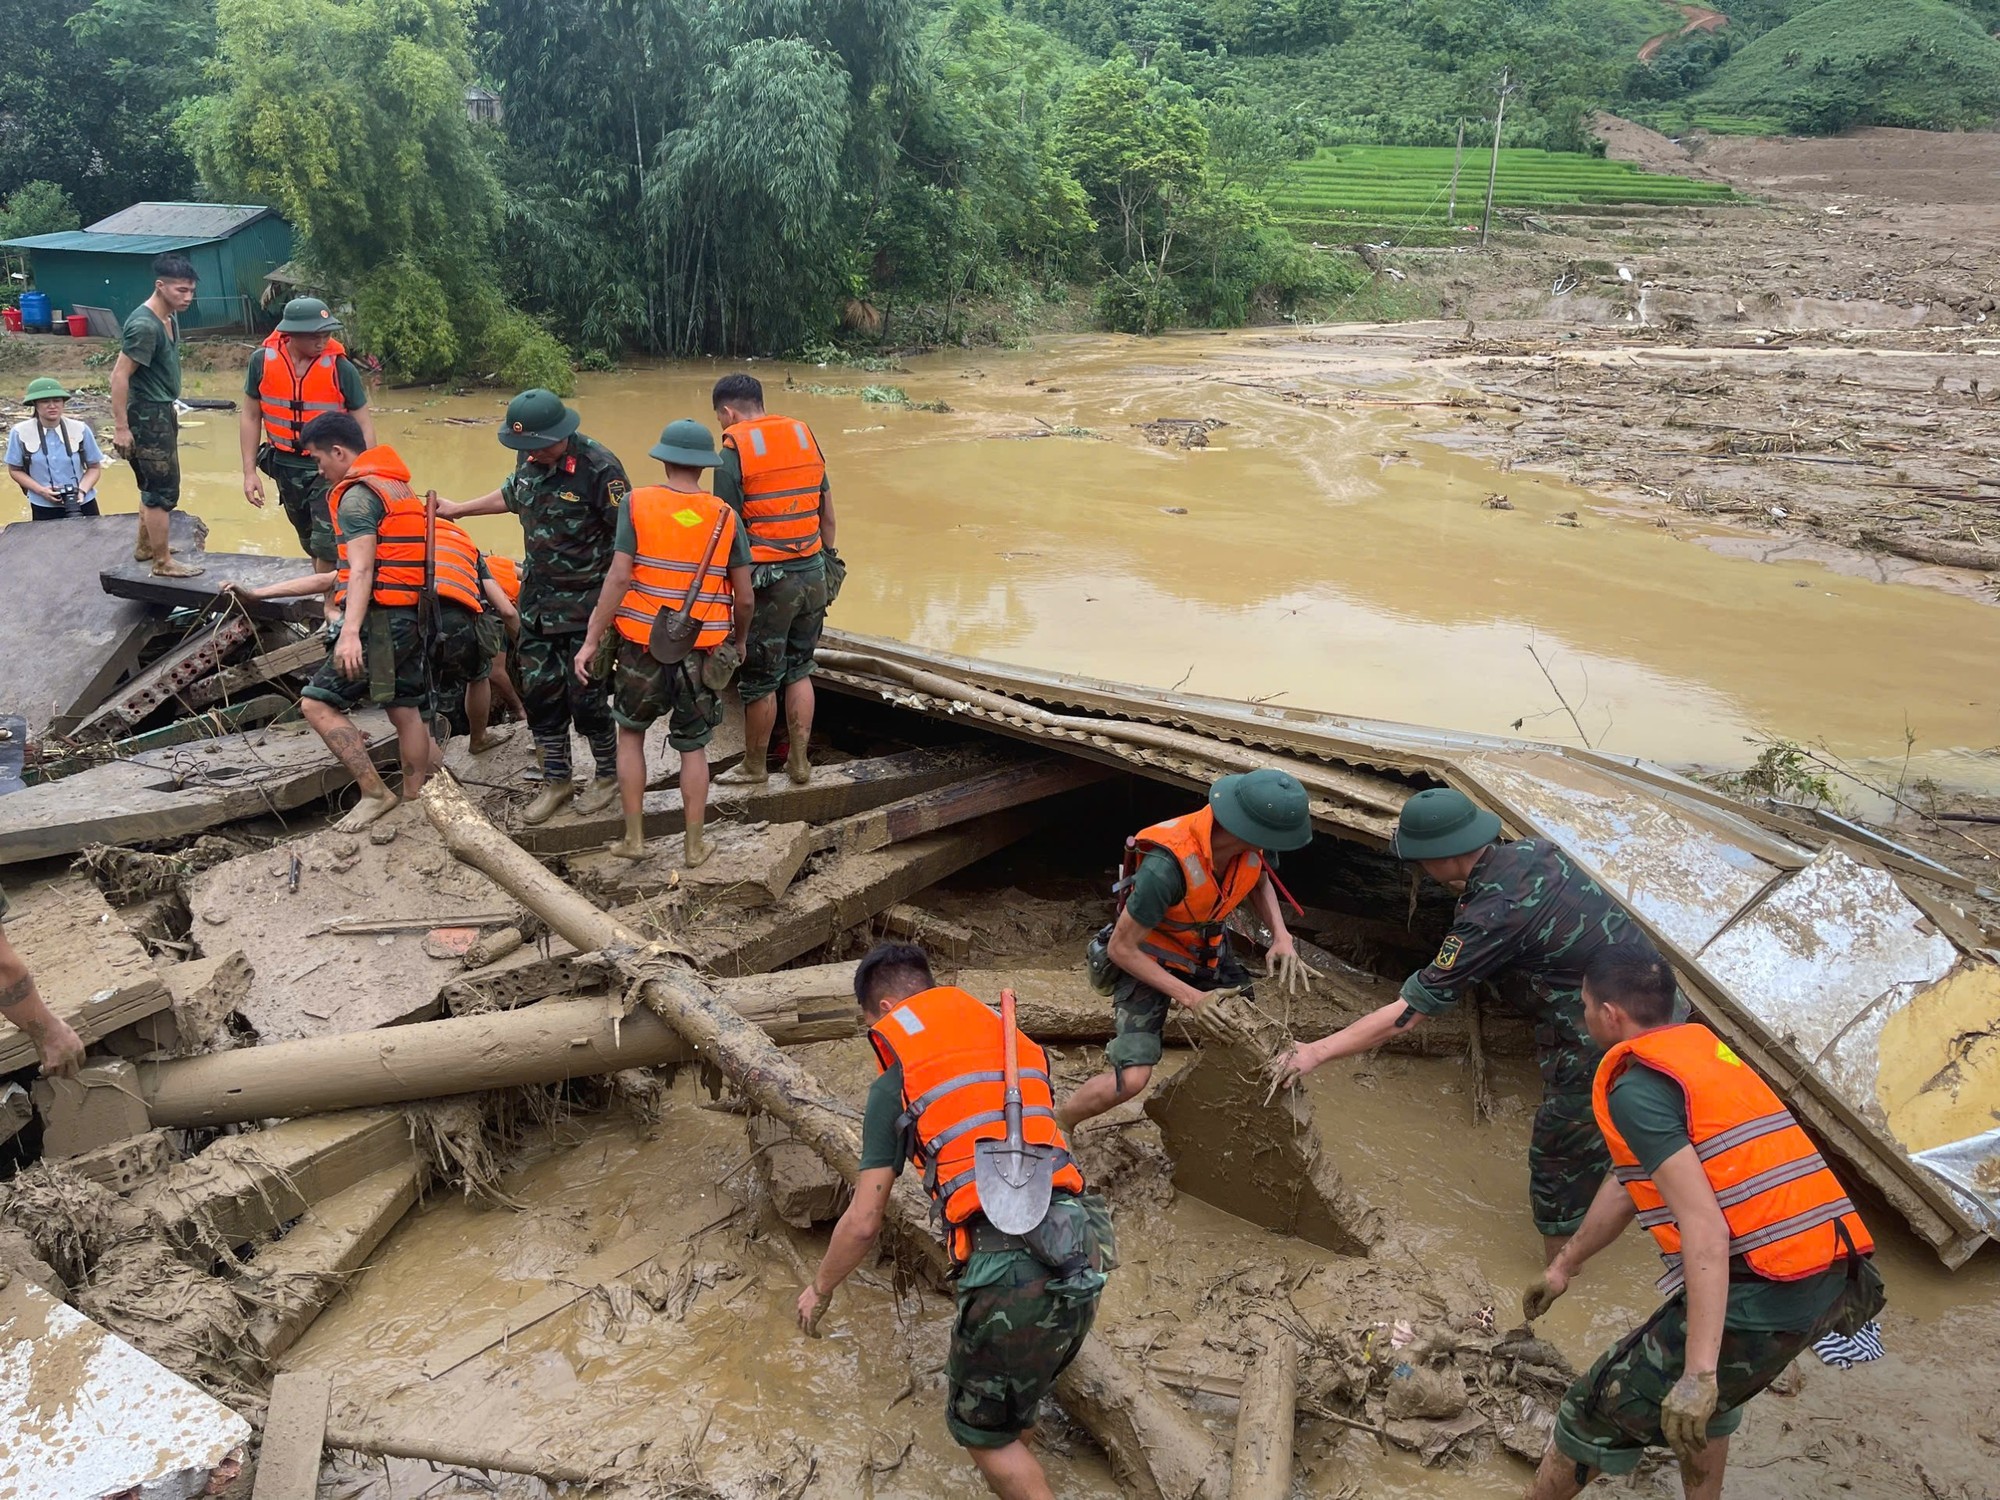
{"points": [[1337, 557]]}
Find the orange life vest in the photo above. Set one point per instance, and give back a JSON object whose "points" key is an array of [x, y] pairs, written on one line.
{"points": [[1784, 1206], [1188, 941], [673, 529], [507, 573], [399, 540], [951, 1050], [782, 472], [289, 400]]}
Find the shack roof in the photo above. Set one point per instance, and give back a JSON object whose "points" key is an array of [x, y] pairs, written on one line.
{"points": [[151, 229]]}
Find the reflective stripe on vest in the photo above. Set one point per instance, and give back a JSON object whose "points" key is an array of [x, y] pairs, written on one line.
{"points": [[1780, 1199], [948, 1045], [782, 470], [455, 569], [288, 400], [1188, 941], [672, 529]]}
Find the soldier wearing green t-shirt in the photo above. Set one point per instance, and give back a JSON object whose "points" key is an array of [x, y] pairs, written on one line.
{"points": [[56, 1043], [145, 384], [1522, 908]]}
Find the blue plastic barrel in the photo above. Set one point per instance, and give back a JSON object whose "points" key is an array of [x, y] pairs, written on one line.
{"points": [[35, 311]]}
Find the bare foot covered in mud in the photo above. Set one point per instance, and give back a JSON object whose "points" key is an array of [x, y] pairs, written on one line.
{"points": [[480, 744], [744, 774], [695, 849], [167, 567], [631, 846], [797, 768], [366, 811]]}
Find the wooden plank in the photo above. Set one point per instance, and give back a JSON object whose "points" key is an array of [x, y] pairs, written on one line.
{"points": [[69, 644], [246, 1185], [294, 1436], [136, 580], [935, 934], [606, 1265], [299, 656], [89, 968], [836, 791], [852, 890], [291, 1281], [747, 868], [169, 793], [196, 657], [927, 812]]}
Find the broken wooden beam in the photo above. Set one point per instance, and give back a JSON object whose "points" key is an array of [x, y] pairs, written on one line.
{"points": [[1156, 1448], [428, 1059], [195, 658], [292, 1279], [366, 1434], [91, 971], [748, 868], [294, 1436], [836, 791], [947, 806], [299, 656], [936, 935], [1267, 1418]]}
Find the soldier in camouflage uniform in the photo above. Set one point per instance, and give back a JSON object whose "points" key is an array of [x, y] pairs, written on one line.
{"points": [[1522, 908], [566, 489], [1023, 1313]]}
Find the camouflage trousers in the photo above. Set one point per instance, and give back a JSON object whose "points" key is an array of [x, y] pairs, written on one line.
{"points": [[1013, 1336], [302, 495], [392, 666], [155, 454], [465, 650], [646, 690], [1612, 1414], [555, 700], [784, 633], [1139, 1012], [1567, 1162]]}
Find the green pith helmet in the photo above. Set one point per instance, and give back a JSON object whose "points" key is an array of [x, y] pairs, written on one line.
{"points": [[308, 315], [686, 442], [1266, 809], [536, 419], [1441, 823], [42, 388]]}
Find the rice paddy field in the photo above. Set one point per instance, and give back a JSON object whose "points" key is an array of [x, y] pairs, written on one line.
{"points": [[1401, 194]]}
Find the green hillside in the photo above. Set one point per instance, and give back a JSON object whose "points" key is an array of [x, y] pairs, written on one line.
{"points": [[1919, 63]]}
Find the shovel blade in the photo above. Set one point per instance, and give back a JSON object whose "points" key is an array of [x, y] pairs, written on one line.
{"points": [[1015, 1183]]}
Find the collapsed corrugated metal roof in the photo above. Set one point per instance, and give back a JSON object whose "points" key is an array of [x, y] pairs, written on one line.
{"points": [[1872, 1006]]}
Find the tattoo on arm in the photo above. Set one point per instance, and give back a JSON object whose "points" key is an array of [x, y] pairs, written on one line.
{"points": [[14, 993]]}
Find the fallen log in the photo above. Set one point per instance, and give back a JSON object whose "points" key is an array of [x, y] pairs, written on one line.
{"points": [[391, 1065], [362, 1435], [1157, 1450], [1265, 1420], [1933, 550]]}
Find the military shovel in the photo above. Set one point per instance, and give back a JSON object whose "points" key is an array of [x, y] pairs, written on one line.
{"points": [[1014, 1180]]}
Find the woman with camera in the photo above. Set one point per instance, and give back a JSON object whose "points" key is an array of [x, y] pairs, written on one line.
{"points": [[53, 458]]}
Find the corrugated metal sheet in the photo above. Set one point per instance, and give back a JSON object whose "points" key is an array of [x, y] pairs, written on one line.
{"points": [[192, 222], [91, 242]]}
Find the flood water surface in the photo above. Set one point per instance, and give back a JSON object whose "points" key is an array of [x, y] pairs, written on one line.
{"points": [[1336, 556]]}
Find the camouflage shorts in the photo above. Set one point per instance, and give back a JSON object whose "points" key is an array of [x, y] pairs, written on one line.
{"points": [[302, 495], [1140, 1013], [392, 670], [1567, 1163], [784, 633], [155, 454], [1011, 1339], [1612, 1414], [645, 690]]}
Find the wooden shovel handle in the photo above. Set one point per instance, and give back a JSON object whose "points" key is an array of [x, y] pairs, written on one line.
{"points": [[1007, 1029]]}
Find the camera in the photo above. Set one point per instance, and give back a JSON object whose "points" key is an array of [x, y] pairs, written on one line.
{"points": [[69, 498]]}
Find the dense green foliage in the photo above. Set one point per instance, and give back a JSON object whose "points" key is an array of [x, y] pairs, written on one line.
{"points": [[757, 175], [37, 208], [1863, 62], [1403, 193]]}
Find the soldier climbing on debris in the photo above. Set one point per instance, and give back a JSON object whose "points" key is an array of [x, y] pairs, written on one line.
{"points": [[567, 489], [1169, 945], [1522, 907], [1025, 1302], [1764, 1252]]}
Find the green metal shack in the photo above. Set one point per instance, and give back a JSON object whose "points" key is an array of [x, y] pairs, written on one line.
{"points": [[110, 264]]}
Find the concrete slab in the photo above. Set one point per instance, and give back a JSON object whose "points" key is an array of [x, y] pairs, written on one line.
{"points": [[69, 642], [88, 966], [181, 789], [750, 868], [135, 580], [85, 1413]]}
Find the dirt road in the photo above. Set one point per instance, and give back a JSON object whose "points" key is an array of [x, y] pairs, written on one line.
{"points": [[1697, 18]]}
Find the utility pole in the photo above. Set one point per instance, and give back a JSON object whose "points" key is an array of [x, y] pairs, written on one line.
{"points": [[1451, 208], [1493, 171]]}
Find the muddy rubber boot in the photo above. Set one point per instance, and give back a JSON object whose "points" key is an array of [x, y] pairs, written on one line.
{"points": [[798, 770], [600, 794], [633, 844], [168, 567], [550, 800], [695, 849], [745, 773]]}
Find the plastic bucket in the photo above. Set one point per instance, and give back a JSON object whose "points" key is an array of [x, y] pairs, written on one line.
{"points": [[79, 326], [35, 311], [11, 316]]}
